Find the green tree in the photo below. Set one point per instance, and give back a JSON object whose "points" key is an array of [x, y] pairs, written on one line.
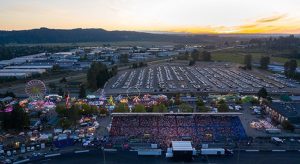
{"points": [[15, 120], [238, 101], [288, 126], [195, 55], [139, 108], [124, 58], [63, 80], [114, 70], [61, 110], [161, 108], [9, 94], [222, 106], [82, 92], [290, 67], [55, 68], [52, 86], [206, 56], [121, 108], [264, 62], [65, 123], [73, 114], [61, 92], [262, 93], [103, 111], [134, 65], [185, 108], [248, 61], [192, 62], [97, 75], [177, 99], [200, 102], [86, 109], [203, 109]]}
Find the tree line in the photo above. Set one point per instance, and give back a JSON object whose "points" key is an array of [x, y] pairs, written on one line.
{"points": [[9, 52], [98, 74]]}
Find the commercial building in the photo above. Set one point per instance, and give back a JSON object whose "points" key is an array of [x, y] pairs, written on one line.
{"points": [[281, 111]]}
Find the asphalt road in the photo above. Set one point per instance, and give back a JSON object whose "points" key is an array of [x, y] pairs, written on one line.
{"points": [[131, 157]]}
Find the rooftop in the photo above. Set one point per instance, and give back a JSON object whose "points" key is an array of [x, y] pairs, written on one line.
{"points": [[291, 110], [182, 146]]}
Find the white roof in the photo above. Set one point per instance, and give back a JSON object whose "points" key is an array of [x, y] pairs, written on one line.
{"points": [[29, 67], [182, 146], [21, 70], [2, 74]]}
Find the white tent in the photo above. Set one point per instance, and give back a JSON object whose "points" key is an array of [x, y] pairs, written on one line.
{"points": [[182, 146]]}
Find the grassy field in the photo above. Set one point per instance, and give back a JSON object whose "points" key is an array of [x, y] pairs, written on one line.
{"points": [[237, 56]]}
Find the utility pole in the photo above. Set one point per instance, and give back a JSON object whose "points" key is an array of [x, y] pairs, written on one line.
{"points": [[238, 157], [103, 153]]}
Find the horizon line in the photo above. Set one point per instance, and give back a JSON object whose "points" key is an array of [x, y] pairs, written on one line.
{"points": [[166, 32]]}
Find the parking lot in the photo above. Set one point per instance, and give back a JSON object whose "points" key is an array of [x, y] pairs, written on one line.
{"points": [[203, 77]]}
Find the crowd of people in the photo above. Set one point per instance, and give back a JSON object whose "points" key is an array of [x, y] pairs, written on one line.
{"points": [[164, 129]]}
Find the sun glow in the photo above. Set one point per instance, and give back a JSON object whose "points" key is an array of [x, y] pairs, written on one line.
{"points": [[188, 16]]}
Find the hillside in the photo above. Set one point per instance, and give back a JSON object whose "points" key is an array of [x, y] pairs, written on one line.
{"points": [[45, 35]]}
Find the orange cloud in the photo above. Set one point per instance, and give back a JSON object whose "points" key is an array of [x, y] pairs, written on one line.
{"points": [[271, 19], [273, 24]]}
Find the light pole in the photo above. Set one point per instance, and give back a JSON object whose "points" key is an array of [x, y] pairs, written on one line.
{"points": [[238, 158], [103, 153]]}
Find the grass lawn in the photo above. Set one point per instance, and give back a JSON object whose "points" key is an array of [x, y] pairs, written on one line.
{"points": [[238, 57]]}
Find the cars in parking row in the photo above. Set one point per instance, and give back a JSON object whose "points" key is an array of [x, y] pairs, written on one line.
{"points": [[119, 80], [149, 82], [201, 78], [129, 79]]}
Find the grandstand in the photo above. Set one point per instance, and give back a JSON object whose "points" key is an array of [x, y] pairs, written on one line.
{"points": [[164, 128]]}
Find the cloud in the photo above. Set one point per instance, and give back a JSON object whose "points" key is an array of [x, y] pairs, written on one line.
{"points": [[271, 19]]}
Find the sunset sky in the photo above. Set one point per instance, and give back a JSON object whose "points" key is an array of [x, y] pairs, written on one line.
{"points": [[192, 16]]}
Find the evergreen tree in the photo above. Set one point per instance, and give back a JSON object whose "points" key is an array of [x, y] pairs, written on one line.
{"points": [[195, 55], [262, 93], [161, 108], [264, 62], [61, 92], [248, 61], [206, 56], [15, 120], [290, 67], [139, 108], [82, 92], [97, 75]]}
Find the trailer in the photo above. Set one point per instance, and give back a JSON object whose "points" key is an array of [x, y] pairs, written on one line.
{"points": [[216, 151], [273, 131], [149, 152]]}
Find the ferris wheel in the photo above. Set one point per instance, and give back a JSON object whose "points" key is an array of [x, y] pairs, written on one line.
{"points": [[35, 89]]}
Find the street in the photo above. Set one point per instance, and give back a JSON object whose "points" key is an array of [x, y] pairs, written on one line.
{"points": [[131, 157]]}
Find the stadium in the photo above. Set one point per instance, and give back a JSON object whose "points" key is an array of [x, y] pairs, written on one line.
{"points": [[163, 128]]}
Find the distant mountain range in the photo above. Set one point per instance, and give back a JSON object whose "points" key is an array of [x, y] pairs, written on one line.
{"points": [[45, 35]]}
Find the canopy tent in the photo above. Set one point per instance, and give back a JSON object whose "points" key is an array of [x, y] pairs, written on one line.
{"points": [[182, 146]]}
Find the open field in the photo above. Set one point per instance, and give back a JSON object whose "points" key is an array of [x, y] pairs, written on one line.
{"points": [[239, 57]]}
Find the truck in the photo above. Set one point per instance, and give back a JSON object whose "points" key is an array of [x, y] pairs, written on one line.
{"points": [[273, 131], [276, 140], [216, 151], [149, 152]]}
